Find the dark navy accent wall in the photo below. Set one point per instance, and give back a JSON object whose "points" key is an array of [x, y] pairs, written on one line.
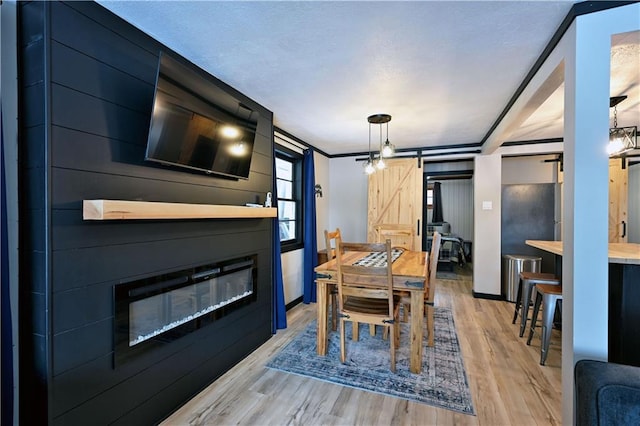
{"points": [[86, 90]]}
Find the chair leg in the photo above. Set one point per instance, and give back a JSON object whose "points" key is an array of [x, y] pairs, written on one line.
{"points": [[534, 317], [406, 308], [430, 325], [524, 309], [372, 330], [343, 349], [518, 301], [355, 331], [547, 326], [334, 311], [392, 328]]}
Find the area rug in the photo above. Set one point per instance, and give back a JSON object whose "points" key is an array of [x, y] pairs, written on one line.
{"points": [[442, 383]]}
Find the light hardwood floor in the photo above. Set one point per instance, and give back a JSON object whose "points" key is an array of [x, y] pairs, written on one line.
{"points": [[507, 384]]}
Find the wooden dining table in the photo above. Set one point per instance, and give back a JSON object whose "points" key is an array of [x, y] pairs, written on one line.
{"points": [[409, 274]]}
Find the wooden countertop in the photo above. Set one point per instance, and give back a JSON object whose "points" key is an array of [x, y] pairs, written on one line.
{"points": [[618, 252]]}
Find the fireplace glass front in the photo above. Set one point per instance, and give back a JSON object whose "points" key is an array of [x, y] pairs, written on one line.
{"points": [[163, 308]]}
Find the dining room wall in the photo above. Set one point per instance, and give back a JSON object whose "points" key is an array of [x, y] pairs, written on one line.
{"points": [[348, 198]]}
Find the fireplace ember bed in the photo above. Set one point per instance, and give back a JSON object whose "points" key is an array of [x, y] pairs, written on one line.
{"points": [[157, 310]]}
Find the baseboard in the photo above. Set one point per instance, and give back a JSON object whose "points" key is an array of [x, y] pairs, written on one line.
{"points": [[293, 303], [487, 296]]}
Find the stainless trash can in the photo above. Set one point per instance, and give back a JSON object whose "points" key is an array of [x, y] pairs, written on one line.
{"points": [[512, 265]]}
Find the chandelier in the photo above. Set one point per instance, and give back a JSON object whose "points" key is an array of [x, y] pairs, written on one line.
{"points": [[387, 149]]}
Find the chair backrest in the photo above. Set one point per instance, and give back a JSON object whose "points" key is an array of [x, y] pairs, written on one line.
{"points": [[328, 237], [371, 281], [401, 235], [433, 265]]}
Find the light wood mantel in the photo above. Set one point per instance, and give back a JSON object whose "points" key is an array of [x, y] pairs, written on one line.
{"points": [[126, 210]]}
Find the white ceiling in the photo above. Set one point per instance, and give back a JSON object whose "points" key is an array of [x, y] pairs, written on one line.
{"points": [[444, 70]]}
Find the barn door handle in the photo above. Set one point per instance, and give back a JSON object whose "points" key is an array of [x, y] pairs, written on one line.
{"points": [[418, 228], [624, 229]]}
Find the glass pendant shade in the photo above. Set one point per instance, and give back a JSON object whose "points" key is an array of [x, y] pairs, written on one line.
{"points": [[622, 139], [388, 149], [368, 167]]}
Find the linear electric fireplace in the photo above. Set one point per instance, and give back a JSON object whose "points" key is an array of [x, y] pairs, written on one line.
{"points": [[157, 310]]}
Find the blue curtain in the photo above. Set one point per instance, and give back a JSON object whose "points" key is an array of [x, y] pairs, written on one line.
{"points": [[310, 237], [279, 311], [7, 343]]}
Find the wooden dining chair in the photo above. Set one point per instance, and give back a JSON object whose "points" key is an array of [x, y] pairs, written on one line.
{"points": [[365, 294], [330, 244], [401, 235], [430, 290], [430, 294]]}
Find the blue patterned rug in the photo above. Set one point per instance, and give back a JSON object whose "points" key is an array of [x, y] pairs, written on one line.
{"points": [[442, 383]]}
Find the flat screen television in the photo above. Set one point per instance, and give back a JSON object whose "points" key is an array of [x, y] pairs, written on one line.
{"points": [[197, 125]]}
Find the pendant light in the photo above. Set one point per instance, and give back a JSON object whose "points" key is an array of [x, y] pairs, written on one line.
{"points": [[621, 139], [388, 149], [371, 165], [368, 166]]}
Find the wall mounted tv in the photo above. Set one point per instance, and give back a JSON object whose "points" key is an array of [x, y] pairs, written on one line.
{"points": [[197, 125]]}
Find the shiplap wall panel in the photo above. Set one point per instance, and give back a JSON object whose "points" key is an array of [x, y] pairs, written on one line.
{"points": [[90, 144], [104, 390], [127, 159]]}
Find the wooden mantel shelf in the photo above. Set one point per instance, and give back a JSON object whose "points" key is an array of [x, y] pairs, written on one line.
{"points": [[125, 210]]}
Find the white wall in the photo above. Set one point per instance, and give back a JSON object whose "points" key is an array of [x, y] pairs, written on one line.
{"points": [[348, 190], [323, 204], [486, 239], [529, 170]]}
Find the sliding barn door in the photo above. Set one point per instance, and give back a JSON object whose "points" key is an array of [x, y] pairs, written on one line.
{"points": [[395, 197], [618, 201]]}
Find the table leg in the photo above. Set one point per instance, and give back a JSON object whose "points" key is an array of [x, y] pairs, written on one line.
{"points": [[417, 313], [322, 301]]}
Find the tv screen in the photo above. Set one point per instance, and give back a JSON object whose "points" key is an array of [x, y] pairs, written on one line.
{"points": [[197, 125]]}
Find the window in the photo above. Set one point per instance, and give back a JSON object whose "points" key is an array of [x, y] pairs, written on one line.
{"points": [[289, 188], [429, 196]]}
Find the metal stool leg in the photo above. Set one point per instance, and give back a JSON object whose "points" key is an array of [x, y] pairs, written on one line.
{"points": [[534, 317], [518, 301], [524, 310], [548, 309]]}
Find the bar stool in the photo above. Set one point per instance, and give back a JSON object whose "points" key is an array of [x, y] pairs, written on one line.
{"points": [[551, 297], [527, 281]]}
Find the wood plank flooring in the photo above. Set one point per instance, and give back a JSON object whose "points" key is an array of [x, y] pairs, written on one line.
{"points": [[508, 385]]}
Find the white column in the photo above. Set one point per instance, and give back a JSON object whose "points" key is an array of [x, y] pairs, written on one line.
{"points": [[487, 191], [585, 216]]}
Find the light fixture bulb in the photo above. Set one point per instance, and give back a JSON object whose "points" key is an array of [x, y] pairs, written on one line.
{"points": [[230, 132], [380, 164], [615, 145], [368, 168], [238, 149], [388, 149]]}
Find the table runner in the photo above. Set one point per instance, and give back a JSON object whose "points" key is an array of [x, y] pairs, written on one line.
{"points": [[378, 259]]}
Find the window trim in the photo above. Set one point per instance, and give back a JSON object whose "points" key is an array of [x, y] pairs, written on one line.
{"points": [[298, 195]]}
